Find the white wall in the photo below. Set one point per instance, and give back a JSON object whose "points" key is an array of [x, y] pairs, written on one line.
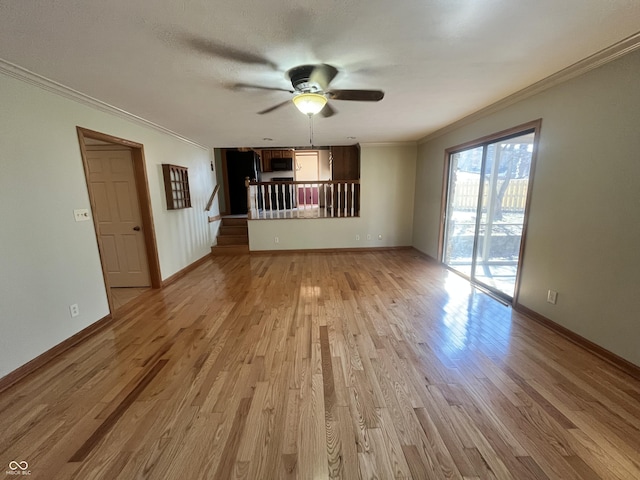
{"points": [[386, 197], [584, 224], [47, 260]]}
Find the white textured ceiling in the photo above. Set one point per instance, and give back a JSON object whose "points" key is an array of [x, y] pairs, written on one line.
{"points": [[436, 60]]}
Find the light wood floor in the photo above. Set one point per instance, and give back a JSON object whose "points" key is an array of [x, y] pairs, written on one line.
{"points": [[121, 296], [311, 366]]}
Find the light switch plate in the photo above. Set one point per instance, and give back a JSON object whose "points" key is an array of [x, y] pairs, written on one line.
{"points": [[81, 215]]}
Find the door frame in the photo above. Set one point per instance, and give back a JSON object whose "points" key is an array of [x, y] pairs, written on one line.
{"points": [[536, 126], [225, 182], [144, 200]]}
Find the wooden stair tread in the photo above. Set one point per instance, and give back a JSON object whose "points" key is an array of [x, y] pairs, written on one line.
{"points": [[233, 230], [233, 240], [233, 221]]}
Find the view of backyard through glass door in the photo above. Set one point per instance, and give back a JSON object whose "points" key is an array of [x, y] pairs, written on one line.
{"points": [[484, 218]]}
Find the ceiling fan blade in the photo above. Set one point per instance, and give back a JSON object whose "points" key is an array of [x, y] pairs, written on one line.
{"points": [[323, 74], [275, 107], [211, 47], [241, 86], [328, 111], [357, 95]]}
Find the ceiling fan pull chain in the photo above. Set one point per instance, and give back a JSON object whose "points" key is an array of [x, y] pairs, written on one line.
{"points": [[311, 129]]}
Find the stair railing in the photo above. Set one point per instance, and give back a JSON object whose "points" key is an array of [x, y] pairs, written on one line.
{"points": [[210, 203], [302, 199]]}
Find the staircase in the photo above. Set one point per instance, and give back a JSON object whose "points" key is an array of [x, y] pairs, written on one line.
{"points": [[233, 237]]}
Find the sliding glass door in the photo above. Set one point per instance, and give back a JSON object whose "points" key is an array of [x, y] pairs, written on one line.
{"points": [[485, 210]]}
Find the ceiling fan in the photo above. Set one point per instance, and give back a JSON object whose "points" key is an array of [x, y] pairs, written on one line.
{"points": [[310, 82], [311, 88]]}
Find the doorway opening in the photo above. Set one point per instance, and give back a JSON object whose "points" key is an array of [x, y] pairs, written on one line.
{"points": [[487, 191], [118, 189], [237, 165], [307, 169]]}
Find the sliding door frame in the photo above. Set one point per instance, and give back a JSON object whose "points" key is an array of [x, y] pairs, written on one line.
{"points": [[536, 127]]}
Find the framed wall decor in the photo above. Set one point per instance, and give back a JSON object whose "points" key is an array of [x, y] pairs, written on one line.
{"points": [[176, 186]]}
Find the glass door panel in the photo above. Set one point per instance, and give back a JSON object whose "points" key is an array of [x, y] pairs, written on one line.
{"points": [[462, 209], [506, 180]]}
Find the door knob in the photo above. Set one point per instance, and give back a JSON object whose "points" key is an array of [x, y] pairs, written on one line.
{"points": [[136, 228]]}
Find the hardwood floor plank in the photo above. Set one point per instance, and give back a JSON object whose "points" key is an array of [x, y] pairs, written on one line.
{"points": [[480, 465], [397, 459], [535, 470], [439, 411], [437, 445], [229, 454], [172, 442], [383, 457], [584, 470], [341, 390], [323, 365], [344, 462], [625, 458], [590, 453], [531, 440], [312, 451], [414, 462], [115, 415], [328, 382], [493, 461]]}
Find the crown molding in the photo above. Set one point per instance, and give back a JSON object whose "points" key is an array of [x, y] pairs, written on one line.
{"points": [[592, 62], [389, 144], [32, 78]]}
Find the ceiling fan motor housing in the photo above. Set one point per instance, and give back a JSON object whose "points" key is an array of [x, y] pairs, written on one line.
{"points": [[300, 78]]}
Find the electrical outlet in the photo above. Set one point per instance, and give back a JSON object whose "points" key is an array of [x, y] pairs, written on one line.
{"points": [[74, 310], [380, 237], [276, 240], [357, 237], [552, 296], [368, 236]]}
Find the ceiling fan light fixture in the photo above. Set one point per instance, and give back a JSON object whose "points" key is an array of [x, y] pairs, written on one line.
{"points": [[310, 103]]}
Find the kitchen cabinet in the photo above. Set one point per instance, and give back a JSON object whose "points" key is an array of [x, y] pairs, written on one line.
{"points": [[345, 163], [267, 155]]}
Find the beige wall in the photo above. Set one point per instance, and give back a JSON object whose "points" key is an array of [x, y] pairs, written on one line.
{"points": [[584, 226], [386, 179], [47, 260]]}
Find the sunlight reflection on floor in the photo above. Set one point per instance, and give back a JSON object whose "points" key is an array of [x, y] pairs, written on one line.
{"points": [[473, 318]]}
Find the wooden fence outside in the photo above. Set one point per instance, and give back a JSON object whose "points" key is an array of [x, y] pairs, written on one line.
{"points": [[514, 200]]}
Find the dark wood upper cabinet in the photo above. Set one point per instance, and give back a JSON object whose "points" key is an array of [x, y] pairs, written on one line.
{"points": [[265, 160], [267, 155], [345, 162]]}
